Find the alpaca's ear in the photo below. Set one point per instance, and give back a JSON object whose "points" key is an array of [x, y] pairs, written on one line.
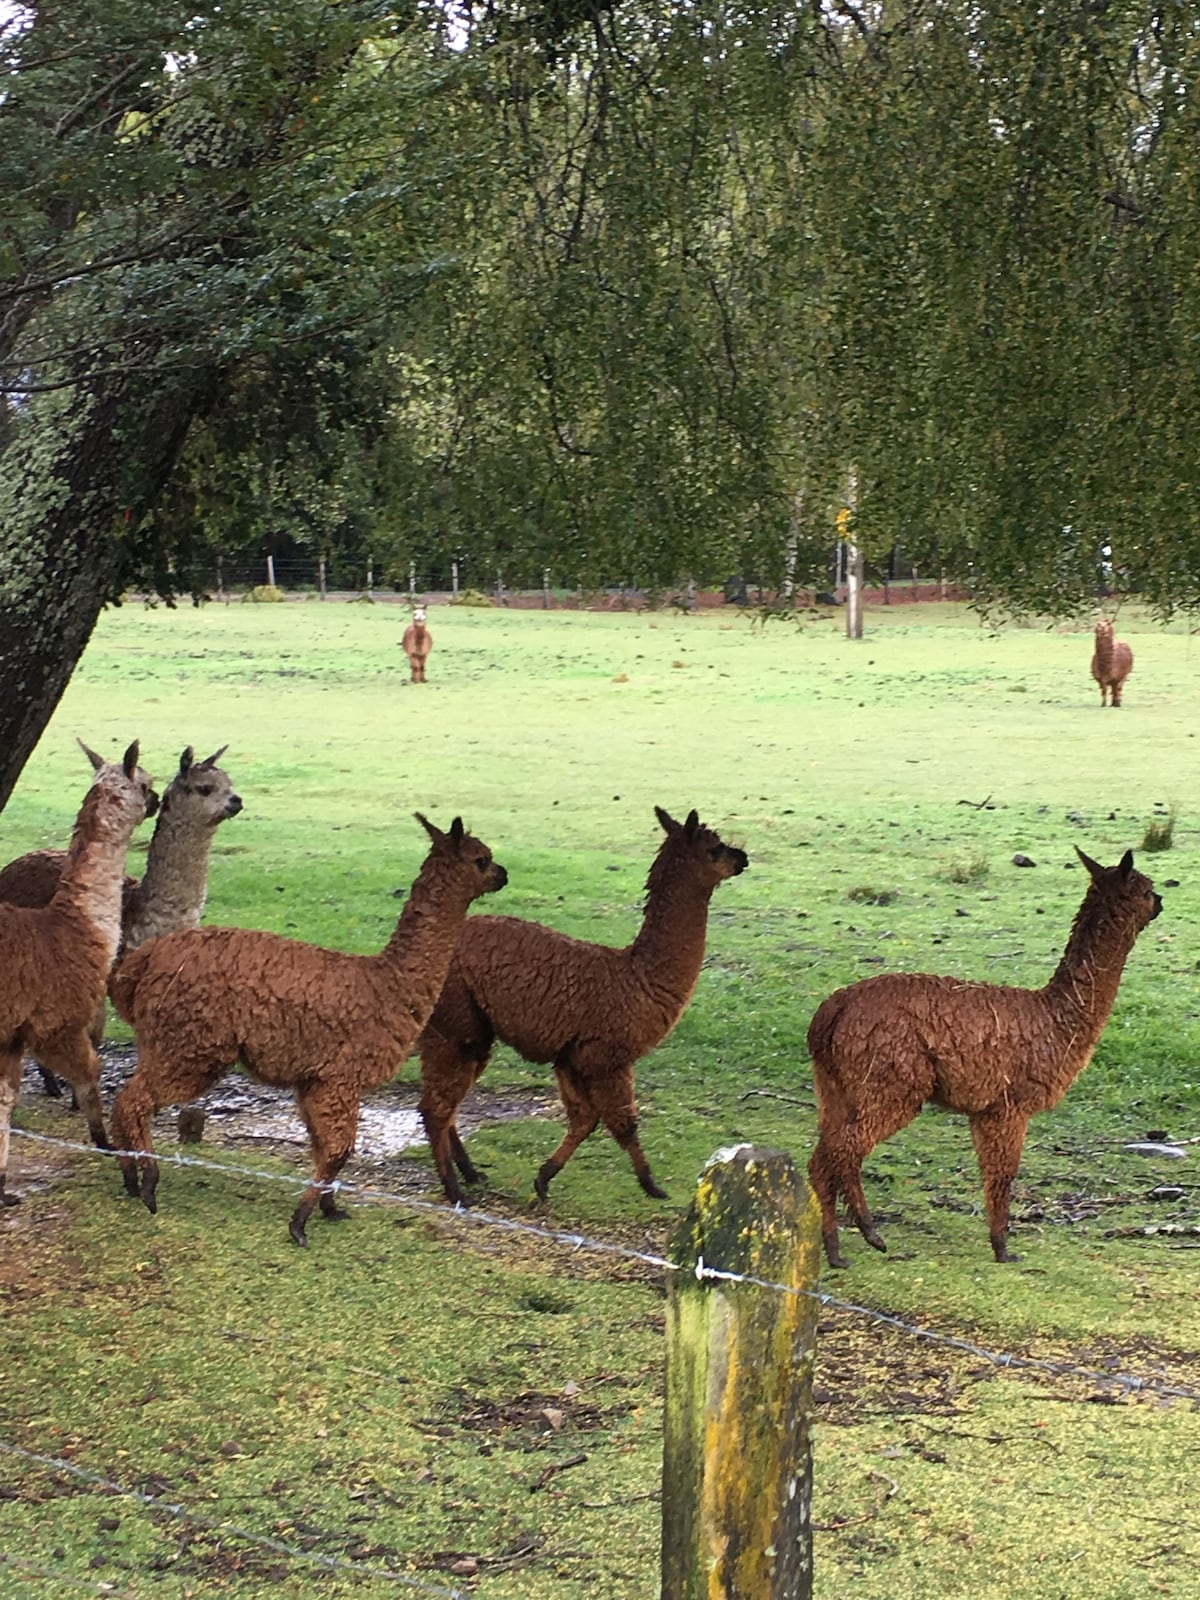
{"points": [[435, 834], [691, 825], [1126, 863], [669, 825], [456, 832], [130, 761], [97, 761], [1093, 867], [212, 760], [185, 761]]}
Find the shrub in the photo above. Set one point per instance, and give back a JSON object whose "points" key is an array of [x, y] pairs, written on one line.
{"points": [[967, 868], [1159, 832], [472, 597], [263, 594]]}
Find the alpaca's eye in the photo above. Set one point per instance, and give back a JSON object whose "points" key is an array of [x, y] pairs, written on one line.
{"points": [[204, 789], [715, 851], [482, 863]]}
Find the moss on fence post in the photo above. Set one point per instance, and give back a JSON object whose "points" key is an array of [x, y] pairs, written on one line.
{"points": [[737, 1468]]}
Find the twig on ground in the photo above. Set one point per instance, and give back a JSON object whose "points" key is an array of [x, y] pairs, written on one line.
{"points": [[556, 1466]]}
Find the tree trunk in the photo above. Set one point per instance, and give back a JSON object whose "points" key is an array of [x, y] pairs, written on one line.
{"points": [[66, 492]]}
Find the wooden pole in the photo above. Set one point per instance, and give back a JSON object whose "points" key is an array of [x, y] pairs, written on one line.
{"points": [[737, 1462], [271, 571]]}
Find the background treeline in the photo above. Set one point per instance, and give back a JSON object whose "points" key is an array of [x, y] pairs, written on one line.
{"points": [[641, 292]]}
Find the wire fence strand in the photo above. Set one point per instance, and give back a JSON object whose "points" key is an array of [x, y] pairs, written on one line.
{"points": [[229, 1529], [1003, 1360]]}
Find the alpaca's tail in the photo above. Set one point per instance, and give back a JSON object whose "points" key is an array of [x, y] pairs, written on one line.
{"points": [[124, 979]]}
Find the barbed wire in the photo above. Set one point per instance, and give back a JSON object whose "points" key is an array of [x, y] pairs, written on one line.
{"points": [[213, 1525], [41, 1569], [1003, 1360]]}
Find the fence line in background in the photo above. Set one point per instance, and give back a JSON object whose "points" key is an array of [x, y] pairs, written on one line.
{"points": [[1001, 1359], [230, 1529]]}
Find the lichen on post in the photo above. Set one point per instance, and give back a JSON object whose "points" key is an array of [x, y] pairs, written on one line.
{"points": [[737, 1467]]}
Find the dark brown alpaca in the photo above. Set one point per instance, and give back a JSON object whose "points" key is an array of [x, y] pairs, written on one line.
{"points": [[174, 886], [591, 1010], [883, 1048], [1112, 662], [326, 1024], [418, 642], [54, 960]]}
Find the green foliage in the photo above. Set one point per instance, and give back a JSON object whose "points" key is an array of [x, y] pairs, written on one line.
{"points": [[1160, 832], [264, 594]]}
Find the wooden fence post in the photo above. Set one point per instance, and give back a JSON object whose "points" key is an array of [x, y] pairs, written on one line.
{"points": [[737, 1463]]}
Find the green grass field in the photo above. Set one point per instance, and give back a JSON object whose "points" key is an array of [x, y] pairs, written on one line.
{"points": [[380, 1400]]}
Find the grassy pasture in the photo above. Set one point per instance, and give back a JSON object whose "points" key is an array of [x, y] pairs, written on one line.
{"points": [[381, 1399]]}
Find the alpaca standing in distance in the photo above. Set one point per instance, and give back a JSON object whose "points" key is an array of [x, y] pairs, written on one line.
{"points": [[55, 959], [1112, 662], [174, 886], [324, 1023], [883, 1048], [418, 642], [591, 1010]]}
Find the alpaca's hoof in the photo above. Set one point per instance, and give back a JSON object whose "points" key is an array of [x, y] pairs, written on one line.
{"points": [[7, 1199], [874, 1240], [52, 1086], [99, 1138], [541, 1184], [149, 1193], [334, 1213], [654, 1191], [297, 1232], [149, 1201]]}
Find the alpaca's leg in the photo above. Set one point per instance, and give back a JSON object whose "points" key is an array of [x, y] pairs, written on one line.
{"points": [[1116, 692], [330, 1112], [582, 1118], [156, 1082], [10, 1084], [998, 1137], [449, 1066], [615, 1101], [72, 1055], [848, 1135], [50, 1083], [824, 1181]]}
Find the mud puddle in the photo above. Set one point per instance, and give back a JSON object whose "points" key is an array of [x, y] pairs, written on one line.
{"points": [[242, 1114]]}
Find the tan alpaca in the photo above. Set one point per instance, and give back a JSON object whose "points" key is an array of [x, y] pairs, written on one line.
{"points": [[418, 642], [883, 1048], [54, 960], [174, 886], [1112, 662], [327, 1024], [591, 1010]]}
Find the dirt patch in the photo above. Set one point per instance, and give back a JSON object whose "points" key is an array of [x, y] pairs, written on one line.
{"points": [[241, 1114]]}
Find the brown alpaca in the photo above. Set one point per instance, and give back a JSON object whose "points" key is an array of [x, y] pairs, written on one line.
{"points": [[54, 960], [883, 1048], [1112, 662], [174, 886], [592, 1010], [418, 642], [327, 1024]]}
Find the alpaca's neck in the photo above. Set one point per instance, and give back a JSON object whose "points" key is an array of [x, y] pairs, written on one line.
{"points": [[174, 885], [417, 956], [89, 888], [1104, 650], [669, 949], [1084, 986]]}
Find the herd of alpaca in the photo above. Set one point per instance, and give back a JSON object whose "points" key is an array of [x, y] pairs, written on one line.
{"points": [[331, 1026]]}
